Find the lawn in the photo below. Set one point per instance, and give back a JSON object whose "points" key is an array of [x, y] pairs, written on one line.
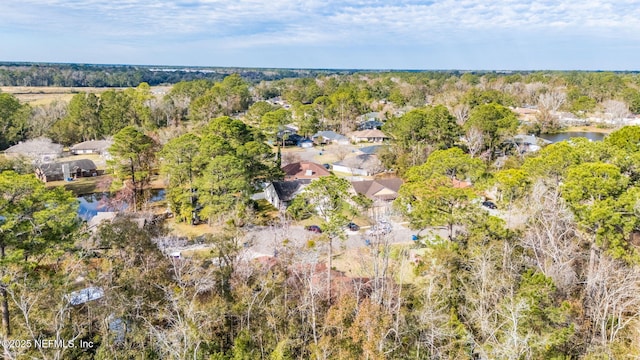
{"points": [[85, 185]]}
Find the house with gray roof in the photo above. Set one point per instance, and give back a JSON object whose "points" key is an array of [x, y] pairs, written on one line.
{"points": [[281, 193], [328, 137], [359, 165], [91, 147], [56, 171], [370, 150], [39, 150], [529, 143]]}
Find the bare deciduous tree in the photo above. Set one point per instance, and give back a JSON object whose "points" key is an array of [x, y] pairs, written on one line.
{"points": [[551, 236], [611, 297], [552, 100], [616, 111], [474, 138], [461, 113]]}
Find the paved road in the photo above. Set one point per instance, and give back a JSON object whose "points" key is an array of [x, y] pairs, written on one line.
{"points": [[265, 240]]}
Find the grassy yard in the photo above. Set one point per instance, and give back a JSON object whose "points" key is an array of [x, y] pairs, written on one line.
{"points": [[85, 185]]}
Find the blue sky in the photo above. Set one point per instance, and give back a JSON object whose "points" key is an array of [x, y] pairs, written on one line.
{"points": [[354, 34]]}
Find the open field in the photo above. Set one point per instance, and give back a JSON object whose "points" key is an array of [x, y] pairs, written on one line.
{"points": [[42, 95]]}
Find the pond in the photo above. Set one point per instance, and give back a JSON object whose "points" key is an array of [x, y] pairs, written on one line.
{"points": [[593, 136], [92, 204]]}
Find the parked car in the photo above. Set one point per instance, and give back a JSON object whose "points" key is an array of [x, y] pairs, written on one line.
{"points": [[314, 228], [381, 228], [489, 205], [353, 226]]}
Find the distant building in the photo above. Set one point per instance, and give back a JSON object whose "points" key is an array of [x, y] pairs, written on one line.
{"points": [[304, 170], [39, 150]]}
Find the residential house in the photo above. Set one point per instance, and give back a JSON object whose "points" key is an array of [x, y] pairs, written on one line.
{"points": [[281, 193], [39, 150], [304, 170], [91, 147], [374, 135], [371, 150], [360, 165], [370, 125], [381, 191], [329, 137], [529, 143], [305, 143], [63, 170]]}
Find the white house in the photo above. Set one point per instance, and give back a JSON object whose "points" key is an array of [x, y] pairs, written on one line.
{"points": [[91, 147], [281, 193]]}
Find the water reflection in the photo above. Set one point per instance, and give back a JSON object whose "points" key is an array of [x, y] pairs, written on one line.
{"points": [[91, 204], [593, 136]]}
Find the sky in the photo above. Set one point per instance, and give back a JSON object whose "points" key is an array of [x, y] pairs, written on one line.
{"points": [[327, 34]]}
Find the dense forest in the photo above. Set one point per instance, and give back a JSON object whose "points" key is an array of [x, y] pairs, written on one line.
{"points": [[93, 75], [553, 274]]}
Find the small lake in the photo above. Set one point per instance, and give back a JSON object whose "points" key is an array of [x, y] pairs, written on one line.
{"points": [[92, 204], [554, 138]]}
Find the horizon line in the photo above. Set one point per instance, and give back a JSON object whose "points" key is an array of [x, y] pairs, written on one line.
{"points": [[506, 71]]}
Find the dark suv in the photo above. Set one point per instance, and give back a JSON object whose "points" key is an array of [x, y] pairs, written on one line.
{"points": [[314, 228], [353, 226], [489, 204]]}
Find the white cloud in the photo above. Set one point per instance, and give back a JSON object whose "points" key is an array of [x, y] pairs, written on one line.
{"points": [[238, 24]]}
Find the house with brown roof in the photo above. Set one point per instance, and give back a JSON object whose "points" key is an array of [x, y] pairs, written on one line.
{"points": [[304, 170], [381, 191]]}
